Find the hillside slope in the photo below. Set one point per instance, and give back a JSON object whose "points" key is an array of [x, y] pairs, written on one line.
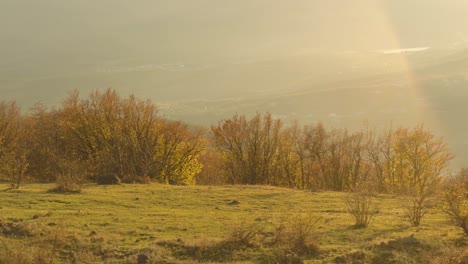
{"points": [[117, 223]]}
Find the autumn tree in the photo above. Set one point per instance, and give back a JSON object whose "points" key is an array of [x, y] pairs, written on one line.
{"points": [[456, 199], [50, 157], [420, 159], [178, 152], [249, 148], [125, 136], [13, 147], [314, 142], [290, 158], [379, 156], [212, 172], [90, 129], [346, 159], [302, 155]]}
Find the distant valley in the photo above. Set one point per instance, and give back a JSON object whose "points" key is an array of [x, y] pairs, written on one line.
{"points": [[343, 63], [429, 87]]}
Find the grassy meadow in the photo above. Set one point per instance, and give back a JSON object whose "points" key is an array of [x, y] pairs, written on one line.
{"points": [[155, 223]]}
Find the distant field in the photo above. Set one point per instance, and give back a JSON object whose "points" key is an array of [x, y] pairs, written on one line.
{"points": [[114, 224]]}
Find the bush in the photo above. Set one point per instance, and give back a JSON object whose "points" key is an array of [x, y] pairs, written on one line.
{"points": [[415, 207], [297, 235], [67, 184], [107, 179], [361, 204], [456, 201], [244, 235], [417, 201]]}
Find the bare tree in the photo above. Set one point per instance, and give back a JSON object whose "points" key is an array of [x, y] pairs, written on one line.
{"points": [[249, 147]]}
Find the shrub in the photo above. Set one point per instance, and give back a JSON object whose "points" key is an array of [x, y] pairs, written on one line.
{"points": [[362, 205], [244, 234], [456, 201], [67, 184], [417, 201], [415, 207], [297, 235], [107, 179]]}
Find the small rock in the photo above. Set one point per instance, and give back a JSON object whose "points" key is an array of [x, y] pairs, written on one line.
{"points": [[234, 202]]}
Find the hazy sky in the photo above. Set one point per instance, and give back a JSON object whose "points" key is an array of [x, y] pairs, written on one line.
{"points": [[57, 45], [186, 29]]}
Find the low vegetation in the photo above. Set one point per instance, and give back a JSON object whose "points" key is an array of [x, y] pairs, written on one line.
{"points": [[186, 224], [362, 204], [456, 199]]}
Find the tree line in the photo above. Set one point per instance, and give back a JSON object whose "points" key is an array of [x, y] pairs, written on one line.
{"points": [[261, 150], [101, 134], [105, 133]]}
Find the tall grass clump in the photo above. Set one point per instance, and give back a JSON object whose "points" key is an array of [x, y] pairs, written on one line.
{"points": [[297, 235]]}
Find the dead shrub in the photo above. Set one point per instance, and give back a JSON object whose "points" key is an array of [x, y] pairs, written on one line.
{"points": [[244, 235], [416, 205], [362, 205], [68, 183], [296, 235]]}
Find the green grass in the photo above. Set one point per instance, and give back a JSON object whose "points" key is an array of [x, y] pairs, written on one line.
{"points": [[121, 221]]}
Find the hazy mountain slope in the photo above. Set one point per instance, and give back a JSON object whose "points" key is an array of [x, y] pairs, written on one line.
{"points": [[429, 87], [51, 46]]}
